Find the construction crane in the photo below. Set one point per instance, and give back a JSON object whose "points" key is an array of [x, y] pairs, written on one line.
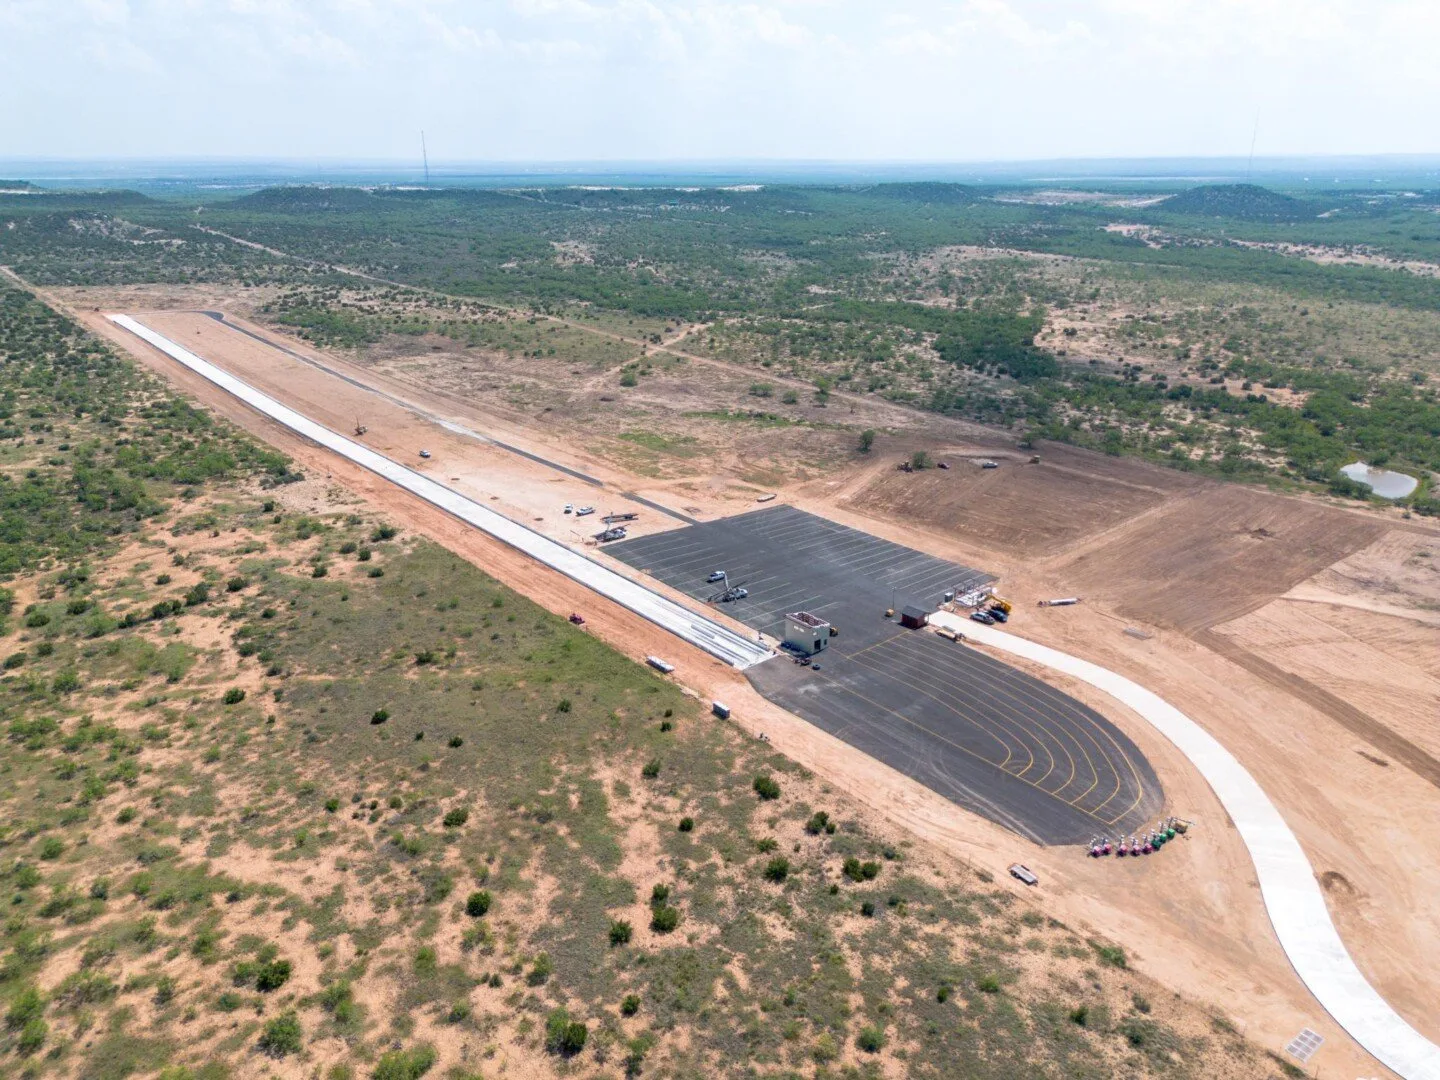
{"points": [[732, 591], [360, 428]]}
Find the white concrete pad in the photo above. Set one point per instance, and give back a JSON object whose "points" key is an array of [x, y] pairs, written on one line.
{"points": [[717, 640], [1292, 896]]}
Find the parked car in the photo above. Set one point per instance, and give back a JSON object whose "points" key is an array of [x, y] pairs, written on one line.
{"points": [[425, 453], [584, 510], [569, 509], [716, 575], [989, 465], [942, 465], [982, 617], [998, 614], [739, 594]]}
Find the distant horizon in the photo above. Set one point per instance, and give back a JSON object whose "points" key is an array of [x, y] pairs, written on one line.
{"points": [[1394, 169]]}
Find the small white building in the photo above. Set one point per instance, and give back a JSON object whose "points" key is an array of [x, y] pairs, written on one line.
{"points": [[806, 633]]}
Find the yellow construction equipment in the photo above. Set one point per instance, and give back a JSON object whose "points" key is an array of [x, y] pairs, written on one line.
{"points": [[1001, 603]]}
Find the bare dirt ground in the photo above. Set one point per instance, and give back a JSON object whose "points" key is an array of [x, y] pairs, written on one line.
{"points": [[1221, 551], [1036, 510], [1194, 921]]}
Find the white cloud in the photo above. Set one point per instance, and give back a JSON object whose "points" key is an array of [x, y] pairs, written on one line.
{"points": [[916, 79]]}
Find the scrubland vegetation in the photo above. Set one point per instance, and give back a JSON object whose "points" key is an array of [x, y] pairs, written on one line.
{"points": [[301, 794], [1213, 342]]}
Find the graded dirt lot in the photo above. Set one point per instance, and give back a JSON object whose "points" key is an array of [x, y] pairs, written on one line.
{"points": [[1214, 555], [1182, 560], [1034, 510]]}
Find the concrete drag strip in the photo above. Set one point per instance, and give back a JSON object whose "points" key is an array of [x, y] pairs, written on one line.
{"points": [[1293, 899], [717, 640]]}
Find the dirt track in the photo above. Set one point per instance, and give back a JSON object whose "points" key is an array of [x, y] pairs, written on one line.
{"points": [[1192, 921]]}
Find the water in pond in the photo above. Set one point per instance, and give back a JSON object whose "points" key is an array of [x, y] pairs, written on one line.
{"points": [[1386, 484]]}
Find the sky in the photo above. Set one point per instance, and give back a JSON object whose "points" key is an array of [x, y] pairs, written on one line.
{"points": [[676, 80]]}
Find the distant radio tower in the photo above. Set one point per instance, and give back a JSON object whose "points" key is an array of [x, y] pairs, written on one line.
{"points": [[425, 157], [1250, 165]]}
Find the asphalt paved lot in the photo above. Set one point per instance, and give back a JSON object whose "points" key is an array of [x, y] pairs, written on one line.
{"points": [[984, 734]]}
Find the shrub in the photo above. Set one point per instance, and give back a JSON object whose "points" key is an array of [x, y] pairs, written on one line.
{"points": [[687, 824], [32, 1037], [988, 984], [477, 904], [197, 594], [855, 870], [1141, 1003], [52, 847], [563, 1036], [942, 993], [664, 919], [651, 769], [14, 660], [541, 970], [666, 726], [425, 656], [620, 932], [282, 1035], [766, 787], [1080, 1015], [867, 908], [405, 1064], [1113, 955], [162, 579], [631, 1005], [563, 705], [37, 619], [659, 894], [235, 584], [457, 817], [233, 696], [379, 716], [27, 1005], [331, 805], [871, 1039], [383, 532], [816, 825], [777, 869], [320, 570], [375, 571], [456, 742]]}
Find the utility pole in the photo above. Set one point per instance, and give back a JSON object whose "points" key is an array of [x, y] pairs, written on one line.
{"points": [[425, 157]]}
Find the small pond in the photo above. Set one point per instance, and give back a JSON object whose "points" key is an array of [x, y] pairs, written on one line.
{"points": [[1386, 484]]}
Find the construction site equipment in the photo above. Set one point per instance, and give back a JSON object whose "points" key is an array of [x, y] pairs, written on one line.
{"points": [[722, 711], [950, 635], [617, 533], [1000, 602], [1034, 459], [1023, 873], [889, 613], [834, 632], [942, 465], [360, 428], [766, 498], [610, 519], [577, 618], [659, 665], [1064, 601]]}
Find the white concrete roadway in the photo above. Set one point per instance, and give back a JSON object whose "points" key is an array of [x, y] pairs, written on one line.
{"points": [[1292, 896], [717, 640]]}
